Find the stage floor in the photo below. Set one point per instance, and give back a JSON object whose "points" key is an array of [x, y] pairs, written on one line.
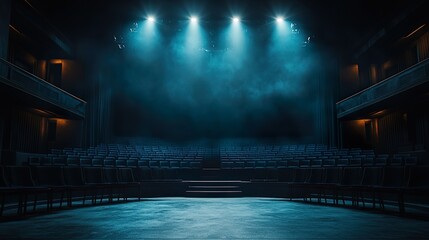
{"points": [[215, 218]]}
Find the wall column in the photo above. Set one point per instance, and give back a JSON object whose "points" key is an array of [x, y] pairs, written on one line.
{"points": [[4, 27]]}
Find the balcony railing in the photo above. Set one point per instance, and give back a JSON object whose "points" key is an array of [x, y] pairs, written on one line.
{"points": [[396, 84], [20, 79]]}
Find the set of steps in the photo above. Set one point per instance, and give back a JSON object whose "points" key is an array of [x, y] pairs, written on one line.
{"points": [[213, 188]]}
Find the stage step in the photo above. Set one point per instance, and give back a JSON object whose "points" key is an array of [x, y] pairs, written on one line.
{"points": [[213, 188]]}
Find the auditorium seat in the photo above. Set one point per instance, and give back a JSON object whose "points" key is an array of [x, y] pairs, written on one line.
{"points": [[286, 174], [300, 177], [132, 162], [20, 177], [154, 164], [10, 194], [93, 176], [174, 164], [51, 177], [121, 162], [351, 179], [184, 164], [249, 164], [109, 161], [195, 164], [60, 160], [73, 179], [46, 161], [164, 164], [313, 178], [331, 180], [73, 160], [418, 183], [143, 162], [372, 178], [111, 177], [392, 182], [97, 161], [33, 161], [381, 160]]}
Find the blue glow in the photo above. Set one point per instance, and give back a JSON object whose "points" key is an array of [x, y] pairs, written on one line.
{"points": [[151, 19], [193, 41], [147, 41], [207, 79], [235, 38], [281, 27], [280, 19], [193, 19]]}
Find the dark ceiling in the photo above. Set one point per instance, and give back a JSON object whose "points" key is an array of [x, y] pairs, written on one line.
{"points": [[329, 19]]}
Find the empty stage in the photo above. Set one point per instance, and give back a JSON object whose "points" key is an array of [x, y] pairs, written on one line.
{"points": [[214, 218]]}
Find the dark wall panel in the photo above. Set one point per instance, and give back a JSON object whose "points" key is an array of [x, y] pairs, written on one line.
{"points": [[4, 27]]}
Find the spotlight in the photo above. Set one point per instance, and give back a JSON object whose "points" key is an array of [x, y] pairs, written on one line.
{"points": [[280, 19], [151, 19], [235, 19], [194, 19]]}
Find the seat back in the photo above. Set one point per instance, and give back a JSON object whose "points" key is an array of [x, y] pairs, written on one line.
{"points": [[316, 175], [419, 176], [93, 175], [372, 176], [126, 175], [393, 176], [110, 175], [49, 175], [286, 174], [301, 175], [351, 176], [19, 176], [3, 182], [73, 176], [332, 175]]}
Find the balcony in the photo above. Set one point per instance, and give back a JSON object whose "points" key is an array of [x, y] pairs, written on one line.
{"points": [[396, 85], [55, 99]]}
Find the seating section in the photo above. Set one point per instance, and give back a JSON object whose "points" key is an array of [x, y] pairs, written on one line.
{"points": [[117, 171], [119, 155], [20, 185], [360, 185], [308, 155]]}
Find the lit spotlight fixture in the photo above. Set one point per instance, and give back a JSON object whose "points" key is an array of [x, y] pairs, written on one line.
{"points": [[151, 19], [194, 19], [235, 19], [279, 19]]}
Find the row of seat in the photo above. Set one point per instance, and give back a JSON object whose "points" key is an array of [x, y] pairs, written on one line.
{"points": [[359, 184], [132, 151], [111, 162], [169, 151], [18, 183], [254, 162]]}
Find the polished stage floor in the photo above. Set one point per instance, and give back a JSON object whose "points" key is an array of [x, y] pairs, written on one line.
{"points": [[215, 218]]}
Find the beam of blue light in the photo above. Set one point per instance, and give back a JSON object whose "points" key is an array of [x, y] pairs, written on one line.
{"points": [[281, 26], [235, 37], [147, 40], [194, 36]]}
